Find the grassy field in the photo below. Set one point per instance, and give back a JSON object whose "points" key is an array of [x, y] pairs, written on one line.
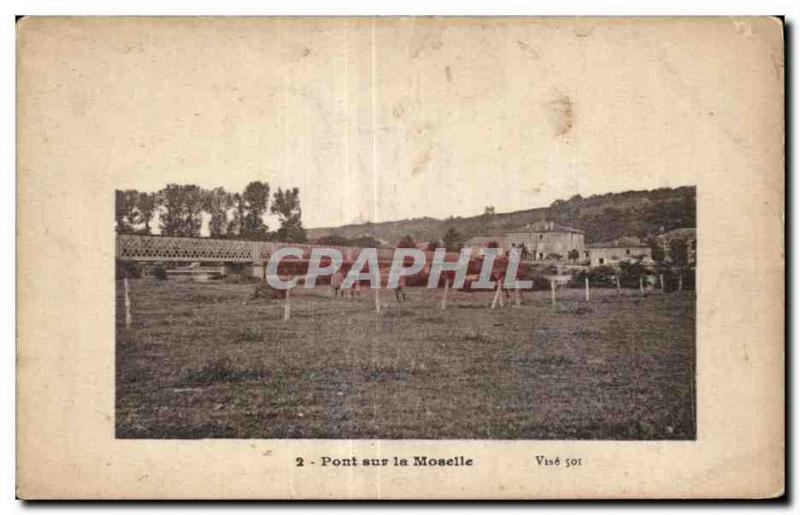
{"points": [[205, 360]]}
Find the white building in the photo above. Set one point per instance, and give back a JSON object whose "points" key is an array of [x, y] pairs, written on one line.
{"points": [[615, 251]]}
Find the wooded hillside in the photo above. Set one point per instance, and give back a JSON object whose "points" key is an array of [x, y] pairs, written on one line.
{"points": [[602, 217]]}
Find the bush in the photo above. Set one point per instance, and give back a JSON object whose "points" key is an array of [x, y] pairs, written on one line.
{"points": [[672, 281], [235, 269], [159, 272], [127, 270], [602, 276], [540, 282], [689, 279], [536, 274], [630, 273], [264, 291]]}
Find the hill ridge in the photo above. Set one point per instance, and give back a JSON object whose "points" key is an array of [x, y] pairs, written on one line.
{"points": [[607, 216]]}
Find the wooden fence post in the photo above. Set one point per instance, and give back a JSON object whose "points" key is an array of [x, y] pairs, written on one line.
{"points": [[377, 300], [680, 280], [287, 305], [587, 288], [518, 298], [661, 280], [496, 296], [128, 318], [617, 278], [553, 292], [444, 294], [641, 284]]}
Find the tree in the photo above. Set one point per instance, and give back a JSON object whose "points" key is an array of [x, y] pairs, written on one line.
{"points": [[253, 207], [237, 212], [407, 242], [453, 240], [434, 244], [124, 210], [679, 255], [678, 252], [366, 242], [286, 205], [218, 202], [181, 208], [336, 240], [292, 233], [145, 206], [656, 249], [133, 211]]}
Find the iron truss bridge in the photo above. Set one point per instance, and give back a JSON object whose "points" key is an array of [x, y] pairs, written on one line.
{"points": [[138, 247]]}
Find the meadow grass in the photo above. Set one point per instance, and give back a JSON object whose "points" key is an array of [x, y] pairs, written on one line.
{"points": [[207, 360]]}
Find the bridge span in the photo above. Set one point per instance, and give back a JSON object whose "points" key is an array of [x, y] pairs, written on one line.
{"points": [[155, 248]]}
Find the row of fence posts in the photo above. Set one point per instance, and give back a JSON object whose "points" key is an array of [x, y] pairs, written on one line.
{"points": [[498, 296], [616, 280], [497, 299]]}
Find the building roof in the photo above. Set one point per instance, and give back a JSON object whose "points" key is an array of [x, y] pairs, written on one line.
{"points": [[623, 242], [545, 226]]}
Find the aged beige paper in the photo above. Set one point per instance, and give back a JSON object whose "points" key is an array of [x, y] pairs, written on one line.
{"points": [[632, 166]]}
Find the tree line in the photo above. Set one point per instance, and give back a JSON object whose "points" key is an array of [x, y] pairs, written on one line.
{"points": [[452, 241], [179, 210]]}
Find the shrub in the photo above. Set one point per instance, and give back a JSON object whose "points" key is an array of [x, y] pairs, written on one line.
{"points": [[159, 272], [602, 276], [235, 268], [689, 279], [630, 273], [672, 282], [127, 270], [536, 274], [264, 291], [540, 282]]}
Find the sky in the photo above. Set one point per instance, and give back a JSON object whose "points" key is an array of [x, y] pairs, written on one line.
{"points": [[397, 118]]}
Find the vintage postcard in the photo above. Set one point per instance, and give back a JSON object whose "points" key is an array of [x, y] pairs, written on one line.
{"points": [[400, 258]]}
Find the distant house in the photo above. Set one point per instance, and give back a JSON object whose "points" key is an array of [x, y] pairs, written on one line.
{"points": [[546, 241], [611, 252], [475, 244]]}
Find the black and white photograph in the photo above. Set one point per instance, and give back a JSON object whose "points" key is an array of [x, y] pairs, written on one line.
{"points": [[598, 345], [480, 142]]}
